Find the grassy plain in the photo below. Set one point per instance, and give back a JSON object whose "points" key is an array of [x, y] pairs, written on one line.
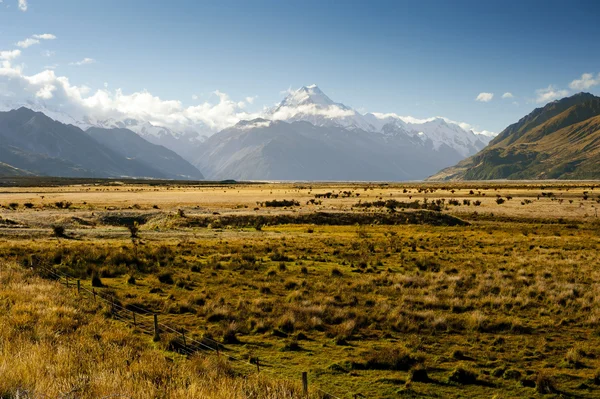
{"points": [[504, 305]]}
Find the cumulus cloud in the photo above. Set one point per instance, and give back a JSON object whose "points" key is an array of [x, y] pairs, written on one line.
{"points": [[194, 97], [85, 61], [586, 81], [507, 95], [9, 54], [57, 92], [484, 97], [548, 94], [23, 5]]}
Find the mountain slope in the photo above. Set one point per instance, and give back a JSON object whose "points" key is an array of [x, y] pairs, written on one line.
{"points": [[34, 143], [132, 146], [558, 141], [267, 150]]}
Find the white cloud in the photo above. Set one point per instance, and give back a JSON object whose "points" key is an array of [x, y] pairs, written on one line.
{"points": [[9, 54], [416, 121], [549, 93], [85, 61], [27, 42], [587, 80], [48, 53], [23, 5], [332, 111], [35, 39], [507, 95], [484, 97], [52, 66], [250, 100], [194, 97], [57, 92], [44, 36]]}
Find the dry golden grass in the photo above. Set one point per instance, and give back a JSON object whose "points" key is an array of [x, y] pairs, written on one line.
{"points": [[54, 346], [511, 298]]}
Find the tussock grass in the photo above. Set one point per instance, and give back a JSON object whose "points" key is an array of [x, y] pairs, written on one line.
{"points": [[52, 344]]}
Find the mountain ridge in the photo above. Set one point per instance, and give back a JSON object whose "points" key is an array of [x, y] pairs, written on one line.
{"points": [[558, 141]]}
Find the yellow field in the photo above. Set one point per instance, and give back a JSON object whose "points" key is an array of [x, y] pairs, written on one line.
{"points": [[499, 301]]}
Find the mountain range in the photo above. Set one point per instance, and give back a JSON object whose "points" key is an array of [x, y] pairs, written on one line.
{"points": [[31, 143], [558, 141], [307, 136]]}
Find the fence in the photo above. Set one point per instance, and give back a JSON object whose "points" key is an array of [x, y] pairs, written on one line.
{"points": [[176, 338]]}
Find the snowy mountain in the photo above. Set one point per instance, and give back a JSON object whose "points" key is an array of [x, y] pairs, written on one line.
{"points": [[310, 104], [438, 142]]}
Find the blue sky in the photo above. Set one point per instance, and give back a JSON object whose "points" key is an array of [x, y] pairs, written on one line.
{"points": [[418, 58]]}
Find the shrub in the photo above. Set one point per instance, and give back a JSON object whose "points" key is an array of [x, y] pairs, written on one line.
{"points": [[63, 204], [96, 281], [281, 203], [543, 384], [133, 229], [59, 231], [389, 359], [131, 280], [165, 278], [28, 205], [499, 201], [13, 205], [418, 374], [463, 377]]}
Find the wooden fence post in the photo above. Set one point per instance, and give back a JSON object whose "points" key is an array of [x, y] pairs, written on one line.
{"points": [[305, 384], [156, 333], [134, 322], [94, 292], [257, 365], [78, 287]]}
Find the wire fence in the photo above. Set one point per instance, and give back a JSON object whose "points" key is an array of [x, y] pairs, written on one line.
{"points": [[175, 338]]}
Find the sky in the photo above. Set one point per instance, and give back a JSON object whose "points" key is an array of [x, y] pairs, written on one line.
{"points": [[487, 63]]}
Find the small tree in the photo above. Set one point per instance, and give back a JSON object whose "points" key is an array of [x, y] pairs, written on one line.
{"points": [[134, 230], [59, 231]]}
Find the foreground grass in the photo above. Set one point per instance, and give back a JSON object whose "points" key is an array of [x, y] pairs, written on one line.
{"points": [[54, 346], [504, 306]]}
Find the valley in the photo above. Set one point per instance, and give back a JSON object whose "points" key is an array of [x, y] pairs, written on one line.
{"points": [[380, 289]]}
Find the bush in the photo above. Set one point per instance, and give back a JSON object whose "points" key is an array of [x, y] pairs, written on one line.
{"points": [[133, 229], [28, 205], [281, 204], [394, 359], [165, 278], [463, 377], [543, 384], [96, 281], [418, 374], [59, 231], [131, 280], [63, 204]]}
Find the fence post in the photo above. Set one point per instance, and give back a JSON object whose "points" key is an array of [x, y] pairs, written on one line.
{"points": [[134, 322], [156, 334], [78, 287], [305, 384], [94, 292], [257, 365]]}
